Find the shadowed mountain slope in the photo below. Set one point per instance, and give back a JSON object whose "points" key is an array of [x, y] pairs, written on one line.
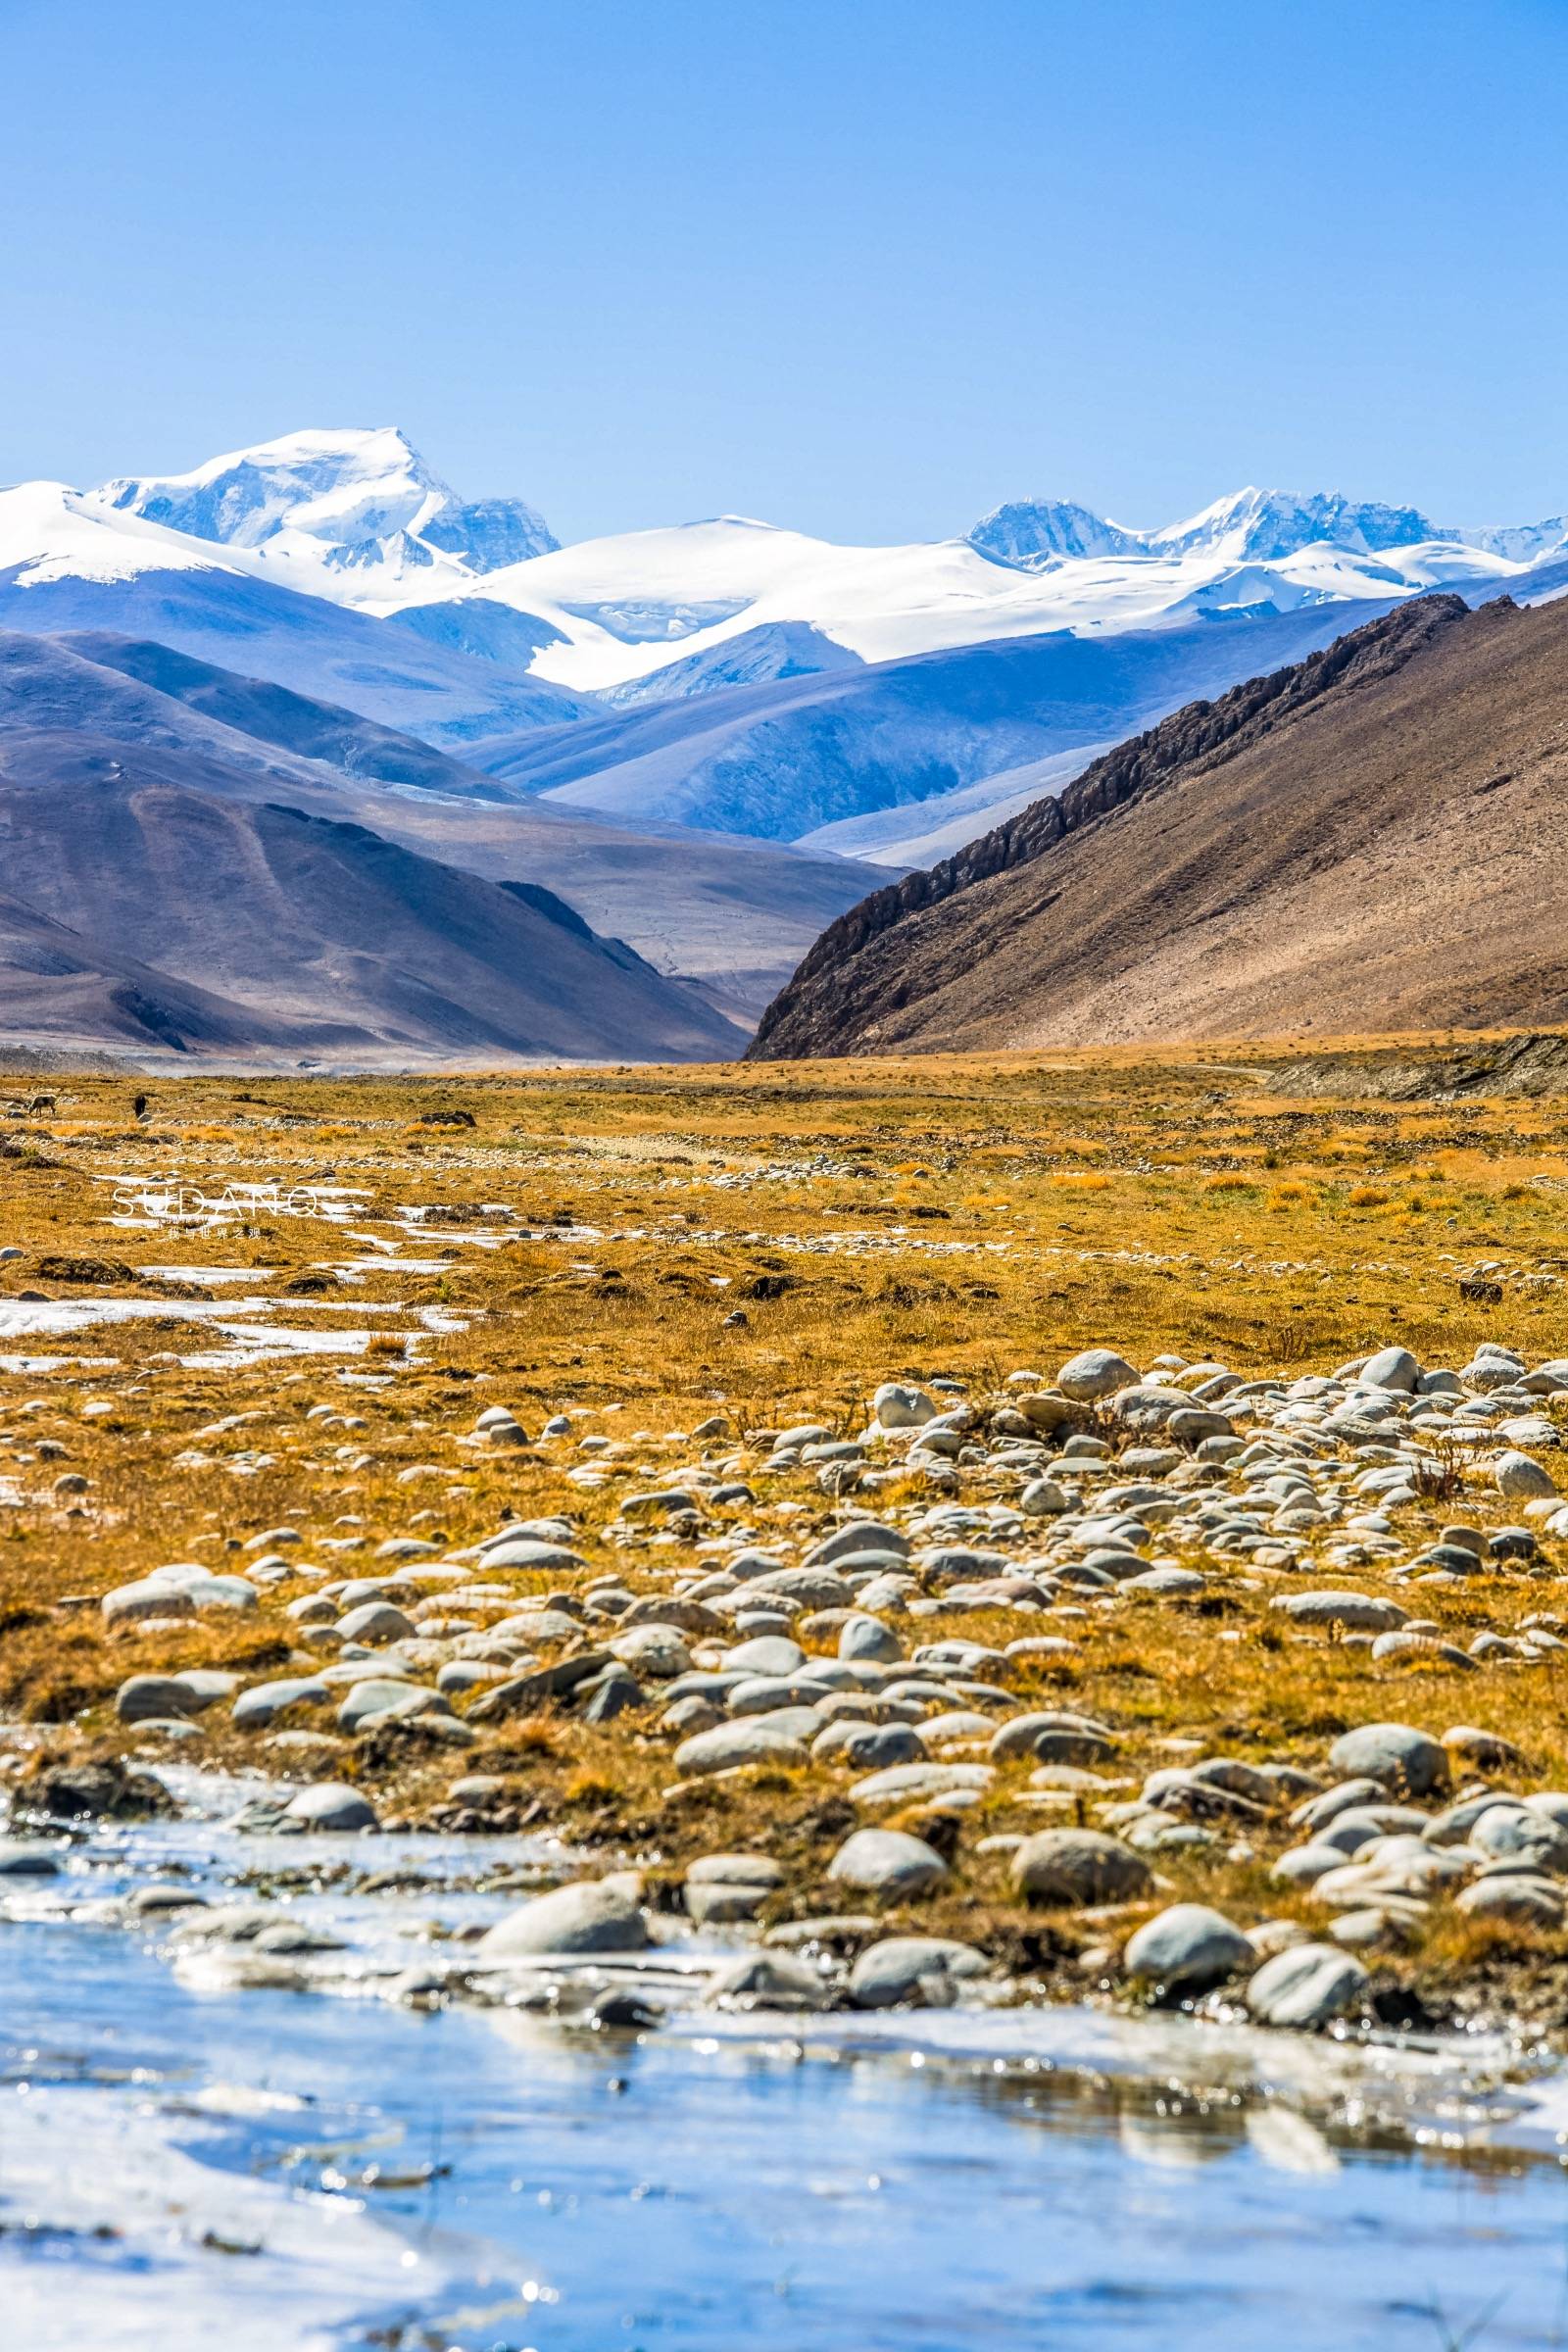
{"points": [[58, 988], [135, 691], [314, 932], [1372, 839], [733, 915], [314, 648]]}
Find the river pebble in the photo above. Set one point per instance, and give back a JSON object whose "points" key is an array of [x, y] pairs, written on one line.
{"points": [[596, 1914]]}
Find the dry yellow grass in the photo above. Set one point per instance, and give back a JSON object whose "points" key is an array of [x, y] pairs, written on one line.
{"points": [[867, 1220]]}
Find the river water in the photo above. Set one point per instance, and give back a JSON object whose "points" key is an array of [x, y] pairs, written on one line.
{"points": [[187, 2158]]}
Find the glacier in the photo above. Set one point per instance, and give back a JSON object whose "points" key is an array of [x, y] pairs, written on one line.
{"points": [[359, 499]]}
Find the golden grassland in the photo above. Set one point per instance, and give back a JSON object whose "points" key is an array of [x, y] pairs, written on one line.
{"points": [[868, 1220]]}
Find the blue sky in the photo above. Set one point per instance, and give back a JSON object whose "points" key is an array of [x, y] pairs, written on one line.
{"points": [[865, 269]]}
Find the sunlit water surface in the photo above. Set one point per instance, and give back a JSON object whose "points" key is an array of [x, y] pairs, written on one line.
{"points": [[187, 2162]]}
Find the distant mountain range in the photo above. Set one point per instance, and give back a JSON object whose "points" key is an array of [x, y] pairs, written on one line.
{"points": [[364, 502], [698, 737], [361, 518], [324, 885]]}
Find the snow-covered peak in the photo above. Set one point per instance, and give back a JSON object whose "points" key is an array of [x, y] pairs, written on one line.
{"points": [[1264, 527], [1029, 533], [359, 519], [1248, 527], [349, 499], [488, 533], [1522, 542], [343, 487]]}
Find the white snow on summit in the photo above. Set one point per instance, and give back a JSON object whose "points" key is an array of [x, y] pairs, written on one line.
{"points": [[696, 587], [1521, 542], [1248, 527], [1268, 525], [1030, 532], [345, 501]]}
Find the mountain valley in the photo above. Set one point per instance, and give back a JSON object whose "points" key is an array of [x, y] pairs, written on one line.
{"points": [[708, 740]]}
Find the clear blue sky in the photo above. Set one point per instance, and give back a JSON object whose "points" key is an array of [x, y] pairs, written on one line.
{"points": [[863, 266]]}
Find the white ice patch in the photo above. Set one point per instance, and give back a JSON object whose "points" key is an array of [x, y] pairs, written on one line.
{"points": [[109, 2221]]}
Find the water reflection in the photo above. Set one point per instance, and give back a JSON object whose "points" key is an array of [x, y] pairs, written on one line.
{"points": [[284, 2171]]}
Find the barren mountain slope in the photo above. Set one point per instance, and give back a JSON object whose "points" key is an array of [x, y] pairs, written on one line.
{"points": [[318, 931], [734, 916], [1375, 839], [785, 757], [58, 988]]}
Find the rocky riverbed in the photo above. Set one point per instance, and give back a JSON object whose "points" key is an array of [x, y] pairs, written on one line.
{"points": [[219, 2101], [923, 1818]]}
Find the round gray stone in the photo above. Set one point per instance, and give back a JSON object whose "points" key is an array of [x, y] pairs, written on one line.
{"points": [[27, 1858], [752, 1740], [866, 1640], [772, 1655], [1520, 1478], [374, 1702], [1078, 1867], [1394, 1754], [924, 1784], [127, 1604], [1361, 1612], [592, 1915], [767, 1981], [1305, 1987], [1056, 1738], [376, 1622], [888, 1862], [895, 1406], [654, 1651], [1094, 1373], [922, 1971], [1516, 1895], [147, 1697], [330, 1805], [1188, 1945]]}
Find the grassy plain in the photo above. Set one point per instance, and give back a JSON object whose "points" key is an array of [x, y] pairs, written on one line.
{"points": [[866, 1221]]}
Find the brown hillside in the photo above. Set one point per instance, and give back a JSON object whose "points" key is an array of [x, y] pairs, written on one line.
{"points": [[1375, 839]]}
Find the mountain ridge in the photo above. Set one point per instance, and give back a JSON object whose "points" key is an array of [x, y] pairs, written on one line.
{"points": [[1371, 839], [730, 916], [350, 498]]}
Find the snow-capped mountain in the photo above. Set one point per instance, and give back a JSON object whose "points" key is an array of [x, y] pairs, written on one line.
{"points": [[1268, 527], [1250, 526], [625, 606], [353, 501], [357, 518], [69, 563], [1520, 542], [714, 673], [1029, 533]]}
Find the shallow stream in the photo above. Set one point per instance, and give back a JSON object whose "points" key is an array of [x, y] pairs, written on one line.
{"points": [[192, 2157]]}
